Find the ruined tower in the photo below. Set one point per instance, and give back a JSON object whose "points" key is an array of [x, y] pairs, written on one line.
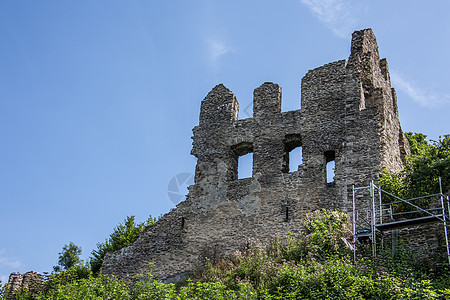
{"points": [[348, 115]]}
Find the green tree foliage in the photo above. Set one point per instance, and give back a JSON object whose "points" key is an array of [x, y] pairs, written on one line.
{"points": [[428, 165], [69, 257], [427, 162], [75, 273], [418, 143], [310, 265], [123, 234]]}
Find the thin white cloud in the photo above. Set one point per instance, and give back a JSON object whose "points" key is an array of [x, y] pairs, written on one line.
{"points": [[421, 96], [337, 15], [217, 49], [9, 262], [3, 279]]}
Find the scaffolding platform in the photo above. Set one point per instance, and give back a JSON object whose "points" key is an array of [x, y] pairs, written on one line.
{"points": [[409, 222], [377, 216]]}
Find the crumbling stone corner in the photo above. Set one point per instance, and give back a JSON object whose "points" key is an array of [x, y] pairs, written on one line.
{"points": [[29, 282]]}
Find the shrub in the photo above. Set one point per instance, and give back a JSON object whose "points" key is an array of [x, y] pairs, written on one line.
{"points": [[325, 230], [100, 287], [145, 287], [57, 279], [217, 291]]}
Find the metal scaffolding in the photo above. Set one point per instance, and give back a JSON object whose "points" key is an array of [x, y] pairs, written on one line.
{"points": [[378, 217]]}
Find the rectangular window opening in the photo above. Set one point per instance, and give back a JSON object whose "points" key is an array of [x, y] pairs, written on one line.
{"points": [[243, 160], [293, 153], [245, 166], [295, 159], [330, 157]]}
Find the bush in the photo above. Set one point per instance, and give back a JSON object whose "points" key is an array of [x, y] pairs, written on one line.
{"points": [[57, 279], [100, 287], [335, 279], [217, 291], [145, 287]]}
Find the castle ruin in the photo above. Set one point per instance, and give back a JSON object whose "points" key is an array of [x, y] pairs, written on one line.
{"points": [[348, 115], [28, 282]]}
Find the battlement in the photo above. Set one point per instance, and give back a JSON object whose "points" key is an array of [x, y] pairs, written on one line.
{"points": [[335, 87], [333, 98], [348, 118]]}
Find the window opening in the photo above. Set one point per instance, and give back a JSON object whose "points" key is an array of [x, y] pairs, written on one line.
{"points": [[287, 214], [330, 157], [245, 165], [295, 158], [330, 171], [293, 153], [243, 160]]}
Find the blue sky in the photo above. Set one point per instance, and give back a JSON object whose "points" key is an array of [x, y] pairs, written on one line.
{"points": [[98, 98]]}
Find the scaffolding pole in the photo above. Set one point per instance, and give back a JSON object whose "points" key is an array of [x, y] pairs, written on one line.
{"points": [[373, 220], [381, 215], [354, 225], [445, 220]]}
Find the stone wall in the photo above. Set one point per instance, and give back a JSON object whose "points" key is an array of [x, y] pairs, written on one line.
{"points": [[30, 281], [425, 241], [348, 114]]}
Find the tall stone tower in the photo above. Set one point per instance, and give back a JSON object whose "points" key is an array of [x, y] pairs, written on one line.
{"points": [[348, 116]]}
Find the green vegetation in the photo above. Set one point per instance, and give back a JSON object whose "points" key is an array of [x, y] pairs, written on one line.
{"points": [[314, 264], [123, 234], [426, 163], [69, 257], [317, 265], [310, 265]]}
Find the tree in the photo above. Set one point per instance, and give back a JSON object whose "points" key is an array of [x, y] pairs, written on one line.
{"points": [[427, 162], [123, 234], [417, 142], [428, 165], [69, 257]]}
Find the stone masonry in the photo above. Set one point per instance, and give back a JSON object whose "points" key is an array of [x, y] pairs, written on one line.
{"points": [[348, 115], [30, 282]]}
